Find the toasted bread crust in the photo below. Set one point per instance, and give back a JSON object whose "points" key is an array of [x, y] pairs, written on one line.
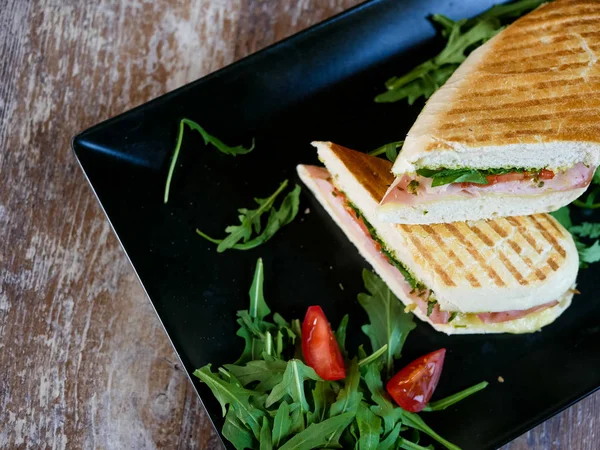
{"points": [[536, 82]]}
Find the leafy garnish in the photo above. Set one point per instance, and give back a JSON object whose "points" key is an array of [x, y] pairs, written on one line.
{"points": [[390, 150], [238, 398], [317, 434], [441, 177], [408, 276], [250, 221], [271, 399], [389, 323], [582, 234], [444, 403], [587, 229], [373, 356], [446, 176], [208, 139], [462, 37]]}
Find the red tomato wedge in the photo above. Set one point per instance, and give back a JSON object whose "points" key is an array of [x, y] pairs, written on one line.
{"points": [[413, 386], [319, 347]]}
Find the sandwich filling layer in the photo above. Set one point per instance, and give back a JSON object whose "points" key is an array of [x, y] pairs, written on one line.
{"points": [[433, 185], [417, 292]]}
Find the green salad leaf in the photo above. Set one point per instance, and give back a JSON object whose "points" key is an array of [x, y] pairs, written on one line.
{"points": [[390, 150], [583, 234], [462, 37], [441, 177], [444, 403], [208, 139], [273, 400], [251, 221], [389, 323]]}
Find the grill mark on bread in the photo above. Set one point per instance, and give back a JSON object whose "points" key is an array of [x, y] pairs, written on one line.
{"points": [[552, 19], [482, 236], [536, 270], [548, 237], [494, 225], [571, 21], [512, 269], [522, 230], [474, 253], [523, 104], [553, 224], [576, 51], [552, 40], [529, 70], [373, 173], [425, 252], [524, 119], [518, 249], [583, 131], [562, 82], [552, 263], [503, 258], [450, 254]]}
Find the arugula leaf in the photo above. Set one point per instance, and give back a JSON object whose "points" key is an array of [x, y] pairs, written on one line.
{"points": [[348, 398], [389, 324], [250, 220], [589, 255], [253, 329], [390, 150], [237, 397], [408, 445], [322, 396], [446, 176], [587, 230], [316, 435], [236, 433], [389, 443], [413, 420], [281, 425], [258, 306], [340, 334], [383, 406], [292, 384], [408, 276], [267, 373], [444, 403], [463, 36], [369, 426], [208, 139], [265, 435], [373, 356]]}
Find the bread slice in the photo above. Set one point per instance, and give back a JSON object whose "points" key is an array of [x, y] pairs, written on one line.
{"points": [[528, 98], [488, 266], [476, 208]]}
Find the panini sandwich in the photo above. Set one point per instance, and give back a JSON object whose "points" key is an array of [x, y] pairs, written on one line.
{"points": [[514, 131], [511, 275]]}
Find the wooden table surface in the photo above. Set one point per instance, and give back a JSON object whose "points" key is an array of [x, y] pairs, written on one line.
{"points": [[84, 361]]}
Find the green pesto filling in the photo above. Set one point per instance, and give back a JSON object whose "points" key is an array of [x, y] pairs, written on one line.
{"points": [[442, 176], [410, 278]]}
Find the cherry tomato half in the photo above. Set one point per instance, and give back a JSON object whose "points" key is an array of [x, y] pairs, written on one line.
{"points": [[319, 347], [413, 386]]}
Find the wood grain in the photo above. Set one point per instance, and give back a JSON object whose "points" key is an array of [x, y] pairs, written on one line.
{"points": [[85, 363]]}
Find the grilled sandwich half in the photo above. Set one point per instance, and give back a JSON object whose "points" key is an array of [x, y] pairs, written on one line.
{"points": [[514, 131], [512, 275]]}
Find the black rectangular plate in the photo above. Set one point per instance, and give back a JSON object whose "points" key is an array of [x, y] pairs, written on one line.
{"points": [[317, 85]]}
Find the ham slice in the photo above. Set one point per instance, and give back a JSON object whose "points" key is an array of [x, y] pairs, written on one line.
{"points": [[505, 316], [358, 230], [577, 176]]}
